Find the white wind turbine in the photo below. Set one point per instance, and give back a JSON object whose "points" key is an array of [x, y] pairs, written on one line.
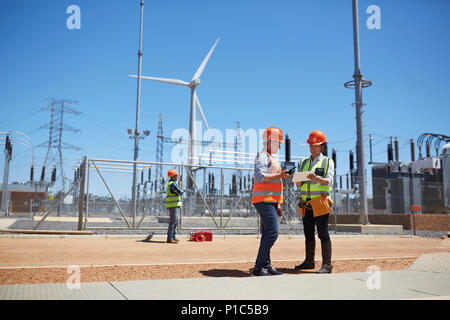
{"points": [[194, 101]]}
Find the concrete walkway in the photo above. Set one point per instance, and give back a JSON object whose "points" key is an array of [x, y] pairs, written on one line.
{"points": [[427, 278]]}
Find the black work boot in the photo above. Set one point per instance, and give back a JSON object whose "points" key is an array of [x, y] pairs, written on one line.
{"points": [[310, 248], [326, 257]]}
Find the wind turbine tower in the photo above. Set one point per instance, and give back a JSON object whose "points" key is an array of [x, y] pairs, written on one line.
{"points": [[194, 102]]}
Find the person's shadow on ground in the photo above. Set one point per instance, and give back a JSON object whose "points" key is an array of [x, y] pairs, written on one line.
{"points": [[152, 241], [294, 271], [240, 273], [225, 273], [149, 239]]}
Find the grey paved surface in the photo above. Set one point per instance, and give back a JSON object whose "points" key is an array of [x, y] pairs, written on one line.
{"points": [[60, 291], [393, 285], [373, 285], [433, 262]]}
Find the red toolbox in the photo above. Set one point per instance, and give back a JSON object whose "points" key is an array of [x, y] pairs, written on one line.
{"points": [[200, 236]]}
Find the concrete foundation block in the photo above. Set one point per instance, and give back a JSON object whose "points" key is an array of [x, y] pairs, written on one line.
{"points": [[368, 228]]}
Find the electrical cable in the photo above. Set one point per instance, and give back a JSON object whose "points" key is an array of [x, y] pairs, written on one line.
{"points": [[20, 119]]}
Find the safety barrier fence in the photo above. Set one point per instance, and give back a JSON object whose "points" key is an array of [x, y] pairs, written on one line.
{"points": [[215, 197], [215, 193]]}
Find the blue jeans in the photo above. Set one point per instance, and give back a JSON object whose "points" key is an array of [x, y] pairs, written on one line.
{"points": [[173, 222], [269, 232]]}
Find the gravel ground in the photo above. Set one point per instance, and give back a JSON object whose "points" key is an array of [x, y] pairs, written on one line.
{"points": [[204, 270], [42, 259]]}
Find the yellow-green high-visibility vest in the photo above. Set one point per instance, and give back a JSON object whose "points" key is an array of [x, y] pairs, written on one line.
{"points": [[310, 188], [172, 200]]}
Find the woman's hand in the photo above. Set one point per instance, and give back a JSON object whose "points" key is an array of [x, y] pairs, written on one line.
{"points": [[317, 179]]}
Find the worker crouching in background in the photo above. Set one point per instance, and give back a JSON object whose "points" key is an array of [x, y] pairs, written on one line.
{"points": [[267, 196], [315, 203], [173, 204]]}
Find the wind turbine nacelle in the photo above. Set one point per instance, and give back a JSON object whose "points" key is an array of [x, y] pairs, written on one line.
{"points": [[194, 82]]}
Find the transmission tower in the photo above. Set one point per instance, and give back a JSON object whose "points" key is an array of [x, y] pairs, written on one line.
{"points": [[56, 126]]}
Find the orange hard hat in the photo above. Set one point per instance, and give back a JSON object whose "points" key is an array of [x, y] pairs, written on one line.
{"points": [[273, 133], [316, 137], [172, 173]]}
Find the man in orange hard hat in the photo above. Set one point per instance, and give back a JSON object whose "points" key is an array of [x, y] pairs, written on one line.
{"points": [[267, 196], [315, 202], [173, 204]]}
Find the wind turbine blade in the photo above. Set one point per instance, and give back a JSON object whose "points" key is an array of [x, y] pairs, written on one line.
{"points": [[199, 107], [166, 80], [205, 61]]}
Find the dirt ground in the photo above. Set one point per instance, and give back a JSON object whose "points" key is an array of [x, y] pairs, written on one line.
{"points": [[46, 260]]}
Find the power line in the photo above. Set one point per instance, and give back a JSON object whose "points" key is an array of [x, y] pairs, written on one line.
{"points": [[21, 119], [92, 137], [341, 141]]}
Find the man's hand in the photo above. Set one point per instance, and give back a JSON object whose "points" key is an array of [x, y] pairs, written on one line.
{"points": [[279, 211], [272, 176], [284, 174]]}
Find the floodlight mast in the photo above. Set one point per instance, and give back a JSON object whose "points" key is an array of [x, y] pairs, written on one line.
{"points": [[138, 102], [358, 84]]}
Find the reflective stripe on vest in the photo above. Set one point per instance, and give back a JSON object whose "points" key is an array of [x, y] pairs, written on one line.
{"points": [[311, 188], [271, 191], [172, 200]]}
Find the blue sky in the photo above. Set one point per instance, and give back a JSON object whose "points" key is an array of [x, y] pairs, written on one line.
{"points": [[280, 63]]}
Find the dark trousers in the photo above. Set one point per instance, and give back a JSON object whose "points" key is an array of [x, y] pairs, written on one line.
{"points": [[173, 222], [309, 224], [269, 232]]}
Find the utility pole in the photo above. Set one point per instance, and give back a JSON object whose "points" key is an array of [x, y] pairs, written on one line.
{"points": [[358, 84], [159, 152], [8, 155], [138, 102]]}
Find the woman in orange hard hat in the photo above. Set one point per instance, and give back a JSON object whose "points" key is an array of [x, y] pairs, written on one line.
{"points": [[315, 202], [267, 196]]}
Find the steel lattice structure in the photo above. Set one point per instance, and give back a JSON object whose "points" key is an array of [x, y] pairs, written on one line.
{"points": [[58, 108]]}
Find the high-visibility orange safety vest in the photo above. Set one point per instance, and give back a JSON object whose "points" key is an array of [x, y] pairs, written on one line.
{"points": [[270, 191]]}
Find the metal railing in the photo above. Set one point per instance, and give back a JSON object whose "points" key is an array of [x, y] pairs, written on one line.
{"points": [[215, 197]]}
